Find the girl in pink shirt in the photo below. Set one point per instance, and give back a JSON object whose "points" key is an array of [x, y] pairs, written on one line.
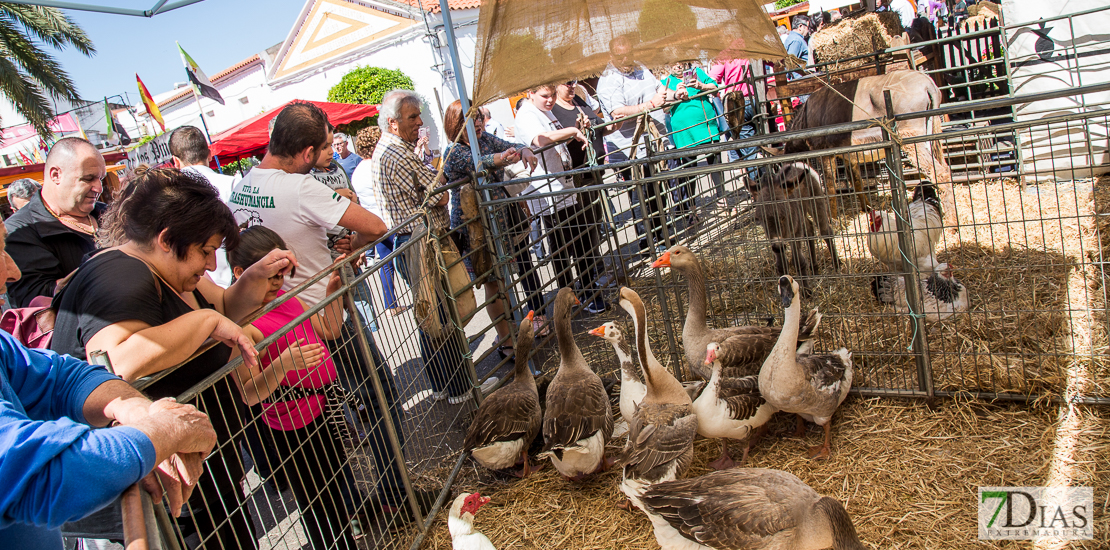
{"points": [[301, 401]]}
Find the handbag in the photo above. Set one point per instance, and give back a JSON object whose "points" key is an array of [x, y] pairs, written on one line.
{"points": [[430, 300], [33, 326]]}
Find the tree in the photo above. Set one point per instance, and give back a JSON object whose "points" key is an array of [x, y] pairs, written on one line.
{"points": [[28, 73], [367, 85]]}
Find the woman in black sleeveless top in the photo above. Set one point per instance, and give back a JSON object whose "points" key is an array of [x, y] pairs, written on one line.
{"points": [[149, 306]]}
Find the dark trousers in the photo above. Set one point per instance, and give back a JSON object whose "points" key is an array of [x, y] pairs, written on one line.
{"points": [[384, 249], [654, 202], [354, 369], [217, 505], [520, 248], [443, 362], [314, 464]]}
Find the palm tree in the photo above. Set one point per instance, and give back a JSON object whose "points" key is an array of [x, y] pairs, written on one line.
{"points": [[27, 72]]}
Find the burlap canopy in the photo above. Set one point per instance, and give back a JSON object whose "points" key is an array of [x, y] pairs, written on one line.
{"points": [[524, 43]]}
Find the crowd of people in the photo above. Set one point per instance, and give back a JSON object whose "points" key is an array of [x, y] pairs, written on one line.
{"points": [[184, 255]]}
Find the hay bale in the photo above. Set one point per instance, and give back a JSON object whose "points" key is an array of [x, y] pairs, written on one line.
{"points": [[980, 14], [856, 36]]}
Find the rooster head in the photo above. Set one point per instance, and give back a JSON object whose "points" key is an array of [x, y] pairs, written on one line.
{"points": [[876, 221], [945, 270], [472, 503]]}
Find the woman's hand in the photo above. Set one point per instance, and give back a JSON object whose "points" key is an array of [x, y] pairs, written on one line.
{"points": [[578, 135], [300, 357], [277, 262], [507, 157], [529, 159], [229, 333], [682, 94], [334, 283]]}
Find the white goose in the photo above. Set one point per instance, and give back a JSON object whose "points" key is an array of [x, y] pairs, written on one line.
{"points": [[460, 523], [733, 416], [810, 386]]}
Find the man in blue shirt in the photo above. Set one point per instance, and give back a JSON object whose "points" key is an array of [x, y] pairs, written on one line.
{"points": [[795, 41], [55, 467], [343, 155]]}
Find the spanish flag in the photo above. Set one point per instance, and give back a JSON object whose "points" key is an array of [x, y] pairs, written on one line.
{"points": [[148, 101]]}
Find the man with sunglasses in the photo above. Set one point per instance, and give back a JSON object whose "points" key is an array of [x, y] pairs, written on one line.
{"points": [[48, 238]]}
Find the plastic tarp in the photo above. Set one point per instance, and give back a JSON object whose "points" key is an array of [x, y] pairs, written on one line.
{"points": [[252, 135], [524, 44]]}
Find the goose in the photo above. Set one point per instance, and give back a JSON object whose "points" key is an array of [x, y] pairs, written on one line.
{"points": [[660, 444], [810, 386], [746, 508], [460, 523], [510, 417], [578, 420], [632, 382], [741, 415], [742, 349]]}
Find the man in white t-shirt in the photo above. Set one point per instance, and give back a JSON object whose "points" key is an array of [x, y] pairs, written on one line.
{"points": [[280, 194], [190, 153]]}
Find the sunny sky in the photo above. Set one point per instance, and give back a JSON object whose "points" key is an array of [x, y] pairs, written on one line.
{"points": [[216, 33]]}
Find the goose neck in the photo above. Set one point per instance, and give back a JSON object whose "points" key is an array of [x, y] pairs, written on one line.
{"points": [[696, 311]]}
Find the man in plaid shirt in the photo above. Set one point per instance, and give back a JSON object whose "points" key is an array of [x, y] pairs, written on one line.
{"points": [[404, 179]]}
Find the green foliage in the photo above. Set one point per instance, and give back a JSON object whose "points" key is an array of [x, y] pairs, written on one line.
{"points": [[244, 164], [662, 18], [141, 141], [367, 85], [29, 75], [779, 4]]}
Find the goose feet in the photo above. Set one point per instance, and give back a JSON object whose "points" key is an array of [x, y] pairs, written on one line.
{"points": [[725, 461], [822, 451]]}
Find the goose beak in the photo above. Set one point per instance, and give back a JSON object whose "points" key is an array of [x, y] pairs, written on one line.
{"points": [[786, 290], [599, 331], [663, 261], [710, 356], [530, 316]]}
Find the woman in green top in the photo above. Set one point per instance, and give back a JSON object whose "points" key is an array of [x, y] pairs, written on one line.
{"points": [[691, 122]]}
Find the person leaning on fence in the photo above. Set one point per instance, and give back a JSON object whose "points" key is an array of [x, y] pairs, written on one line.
{"points": [[627, 88], [571, 110], [795, 42], [50, 236], [494, 154], [280, 194], [691, 122], [147, 304], [20, 192], [370, 198], [405, 182], [296, 395]]}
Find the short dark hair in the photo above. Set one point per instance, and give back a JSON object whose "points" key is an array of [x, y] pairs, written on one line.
{"points": [[800, 20], [188, 144], [298, 126], [254, 244], [183, 204]]}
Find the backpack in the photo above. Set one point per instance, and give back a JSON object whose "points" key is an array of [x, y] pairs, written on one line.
{"points": [[33, 326]]}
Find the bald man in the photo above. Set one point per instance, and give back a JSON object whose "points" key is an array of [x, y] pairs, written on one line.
{"points": [[48, 238]]}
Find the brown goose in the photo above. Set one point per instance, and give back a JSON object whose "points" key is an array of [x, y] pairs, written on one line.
{"points": [[742, 349], [661, 435], [811, 386], [736, 412], [578, 420], [747, 508], [510, 417]]}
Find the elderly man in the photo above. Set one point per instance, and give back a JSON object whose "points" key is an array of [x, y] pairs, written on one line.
{"points": [[191, 153], [628, 88], [49, 237], [49, 453], [343, 154], [405, 182], [20, 192], [795, 41]]}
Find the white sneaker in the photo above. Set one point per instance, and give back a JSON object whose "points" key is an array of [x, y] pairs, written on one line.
{"points": [[488, 385], [439, 395], [458, 399]]}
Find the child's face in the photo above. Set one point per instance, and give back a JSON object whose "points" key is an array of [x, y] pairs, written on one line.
{"points": [[275, 285]]}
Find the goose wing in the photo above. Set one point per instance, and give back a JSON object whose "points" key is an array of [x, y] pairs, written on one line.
{"points": [[577, 408], [659, 435], [740, 508], [507, 414]]}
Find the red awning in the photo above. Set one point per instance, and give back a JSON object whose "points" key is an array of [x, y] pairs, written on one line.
{"points": [[251, 136]]}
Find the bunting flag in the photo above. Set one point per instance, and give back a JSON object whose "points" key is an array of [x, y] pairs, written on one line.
{"points": [[198, 79], [148, 101], [23, 158], [109, 124]]}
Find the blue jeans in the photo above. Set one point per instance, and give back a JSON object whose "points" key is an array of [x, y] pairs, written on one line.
{"points": [[384, 249]]}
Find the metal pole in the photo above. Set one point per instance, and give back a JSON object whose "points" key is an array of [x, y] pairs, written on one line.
{"points": [[911, 277], [383, 403], [207, 136]]}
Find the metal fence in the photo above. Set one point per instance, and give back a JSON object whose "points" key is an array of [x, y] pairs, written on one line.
{"points": [[368, 459]]}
